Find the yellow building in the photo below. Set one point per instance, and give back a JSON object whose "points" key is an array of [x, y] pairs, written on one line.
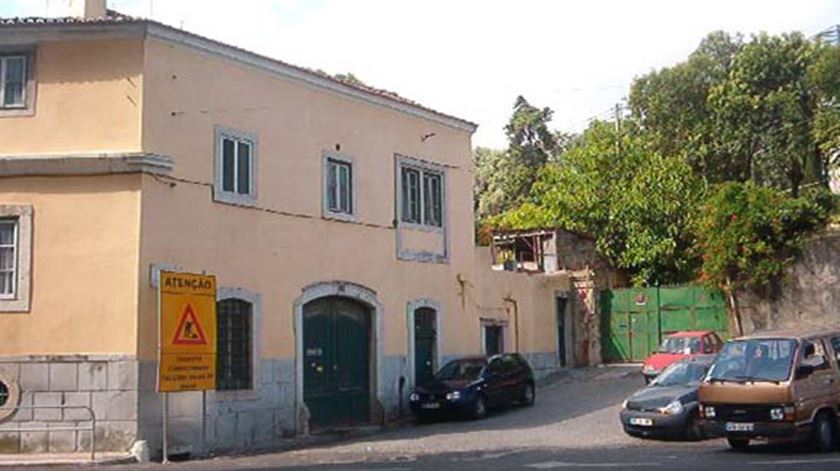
{"points": [[337, 218]]}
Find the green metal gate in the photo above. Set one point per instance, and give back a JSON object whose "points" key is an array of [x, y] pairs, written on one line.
{"points": [[634, 321]]}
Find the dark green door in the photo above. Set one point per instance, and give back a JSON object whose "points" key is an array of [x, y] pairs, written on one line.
{"points": [[425, 344], [336, 349]]}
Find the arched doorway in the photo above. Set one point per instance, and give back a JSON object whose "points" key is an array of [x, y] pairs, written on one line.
{"points": [[337, 361]]}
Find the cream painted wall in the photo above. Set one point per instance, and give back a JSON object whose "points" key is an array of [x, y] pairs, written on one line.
{"points": [[534, 297], [85, 257], [266, 249], [88, 99]]}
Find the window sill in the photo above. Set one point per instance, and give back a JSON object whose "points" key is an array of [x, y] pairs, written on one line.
{"points": [[421, 227], [423, 257], [234, 199], [14, 306], [16, 111], [346, 217], [237, 395]]}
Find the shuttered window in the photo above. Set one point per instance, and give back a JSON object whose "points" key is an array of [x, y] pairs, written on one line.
{"points": [[422, 196], [12, 81], [234, 368]]}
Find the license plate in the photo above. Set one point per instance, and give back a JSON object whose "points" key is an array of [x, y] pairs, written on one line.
{"points": [[430, 405], [739, 427], [641, 421]]}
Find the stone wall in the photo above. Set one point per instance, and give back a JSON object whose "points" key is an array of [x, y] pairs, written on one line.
{"points": [[808, 295], [105, 383]]}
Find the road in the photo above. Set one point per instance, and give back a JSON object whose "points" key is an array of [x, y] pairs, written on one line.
{"points": [[574, 425]]}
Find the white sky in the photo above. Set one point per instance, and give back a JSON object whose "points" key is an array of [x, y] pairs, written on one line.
{"points": [[471, 58]]}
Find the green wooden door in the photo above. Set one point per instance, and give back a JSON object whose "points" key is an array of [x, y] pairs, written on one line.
{"points": [[425, 344], [336, 380]]}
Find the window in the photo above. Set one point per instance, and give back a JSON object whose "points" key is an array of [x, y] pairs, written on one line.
{"points": [[422, 196], [15, 257], [8, 258], [835, 344], [234, 364], [338, 186], [13, 81], [235, 167], [494, 339], [4, 394]]}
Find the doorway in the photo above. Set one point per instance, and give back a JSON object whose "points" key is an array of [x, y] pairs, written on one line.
{"points": [[425, 344], [337, 362]]}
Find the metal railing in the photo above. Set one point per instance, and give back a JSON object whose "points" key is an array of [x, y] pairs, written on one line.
{"points": [[90, 427]]}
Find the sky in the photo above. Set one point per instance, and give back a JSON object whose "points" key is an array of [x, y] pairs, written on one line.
{"points": [[472, 58]]}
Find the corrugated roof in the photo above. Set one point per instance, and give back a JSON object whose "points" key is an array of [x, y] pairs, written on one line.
{"points": [[114, 17]]}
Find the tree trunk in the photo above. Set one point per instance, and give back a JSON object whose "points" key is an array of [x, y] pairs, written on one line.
{"points": [[732, 305]]}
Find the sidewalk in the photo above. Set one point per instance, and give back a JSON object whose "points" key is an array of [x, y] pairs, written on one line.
{"points": [[49, 459]]}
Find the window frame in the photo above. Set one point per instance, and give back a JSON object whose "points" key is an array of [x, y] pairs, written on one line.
{"points": [[27, 107], [19, 301], [258, 375], [235, 197], [14, 222], [328, 159], [423, 170]]}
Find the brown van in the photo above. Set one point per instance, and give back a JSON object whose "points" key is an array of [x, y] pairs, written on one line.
{"points": [[775, 386]]}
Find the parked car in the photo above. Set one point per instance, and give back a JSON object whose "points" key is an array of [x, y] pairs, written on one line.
{"points": [[667, 407], [782, 386], [678, 346], [470, 386]]}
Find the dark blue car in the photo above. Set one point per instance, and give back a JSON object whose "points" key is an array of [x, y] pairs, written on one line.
{"points": [[470, 386]]}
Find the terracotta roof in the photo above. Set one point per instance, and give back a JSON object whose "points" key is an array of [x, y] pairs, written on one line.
{"points": [[114, 17]]}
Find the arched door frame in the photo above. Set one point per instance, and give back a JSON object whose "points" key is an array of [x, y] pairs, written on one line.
{"points": [[411, 308], [343, 289]]}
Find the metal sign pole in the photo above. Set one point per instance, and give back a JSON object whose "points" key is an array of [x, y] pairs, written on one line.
{"points": [[165, 428]]}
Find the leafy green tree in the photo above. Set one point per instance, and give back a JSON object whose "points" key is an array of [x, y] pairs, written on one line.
{"points": [[636, 203], [672, 105], [489, 187]]}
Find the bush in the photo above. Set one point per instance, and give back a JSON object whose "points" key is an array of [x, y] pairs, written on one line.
{"points": [[748, 233]]}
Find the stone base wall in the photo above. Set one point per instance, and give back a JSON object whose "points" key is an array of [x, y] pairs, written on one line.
{"points": [[105, 383], [544, 364]]}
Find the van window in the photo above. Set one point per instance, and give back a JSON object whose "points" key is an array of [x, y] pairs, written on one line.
{"points": [[754, 360], [814, 349], [835, 345]]}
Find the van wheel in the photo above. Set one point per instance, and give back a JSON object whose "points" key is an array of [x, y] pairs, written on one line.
{"points": [[824, 433], [479, 408], [738, 443]]}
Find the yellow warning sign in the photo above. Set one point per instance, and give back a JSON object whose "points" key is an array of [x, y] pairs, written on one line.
{"points": [[187, 313]]}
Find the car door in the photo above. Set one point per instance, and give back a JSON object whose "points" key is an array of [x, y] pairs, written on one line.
{"points": [[815, 389], [514, 382], [494, 382]]}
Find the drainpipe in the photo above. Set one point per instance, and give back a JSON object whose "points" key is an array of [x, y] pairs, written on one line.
{"points": [[515, 321]]}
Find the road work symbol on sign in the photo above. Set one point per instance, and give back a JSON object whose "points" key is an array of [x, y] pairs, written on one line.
{"points": [[189, 331], [187, 337]]}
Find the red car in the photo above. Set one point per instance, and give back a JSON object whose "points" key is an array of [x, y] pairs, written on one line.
{"points": [[680, 345]]}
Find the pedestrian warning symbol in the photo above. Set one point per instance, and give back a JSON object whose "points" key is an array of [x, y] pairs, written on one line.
{"points": [[189, 331], [187, 316]]}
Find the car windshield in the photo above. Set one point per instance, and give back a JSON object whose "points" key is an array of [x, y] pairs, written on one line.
{"points": [[754, 360], [461, 370], [681, 374], [680, 345]]}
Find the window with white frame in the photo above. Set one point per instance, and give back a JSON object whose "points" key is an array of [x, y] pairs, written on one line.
{"points": [[13, 81], [8, 258], [339, 186], [421, 191], [234, 347], [235, 167]]}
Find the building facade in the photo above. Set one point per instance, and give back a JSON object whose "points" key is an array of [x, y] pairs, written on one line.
{"points": [[337, 219]]}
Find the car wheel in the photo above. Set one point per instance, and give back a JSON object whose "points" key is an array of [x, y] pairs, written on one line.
{"points": [[738, 443], [529, 396], [479, 408], [692, 430], [824, 433]]}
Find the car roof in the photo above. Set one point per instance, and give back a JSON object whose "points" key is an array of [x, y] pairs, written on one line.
{"points": [[798, 334], [691, 333]]}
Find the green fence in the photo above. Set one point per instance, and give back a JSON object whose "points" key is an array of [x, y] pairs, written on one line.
{"points": [[634, 321]]}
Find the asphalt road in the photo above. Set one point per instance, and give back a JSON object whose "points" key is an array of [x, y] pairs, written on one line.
{"points": [[574, 425]]}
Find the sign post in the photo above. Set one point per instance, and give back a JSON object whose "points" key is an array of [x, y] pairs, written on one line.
{"points": [[186, 337]]}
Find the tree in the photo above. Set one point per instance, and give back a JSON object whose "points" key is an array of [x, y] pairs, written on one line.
{"points": [[636, 204], [504, 178]]}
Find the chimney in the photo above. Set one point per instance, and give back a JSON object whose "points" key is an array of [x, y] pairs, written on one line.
{"points": [[87, 9]]}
